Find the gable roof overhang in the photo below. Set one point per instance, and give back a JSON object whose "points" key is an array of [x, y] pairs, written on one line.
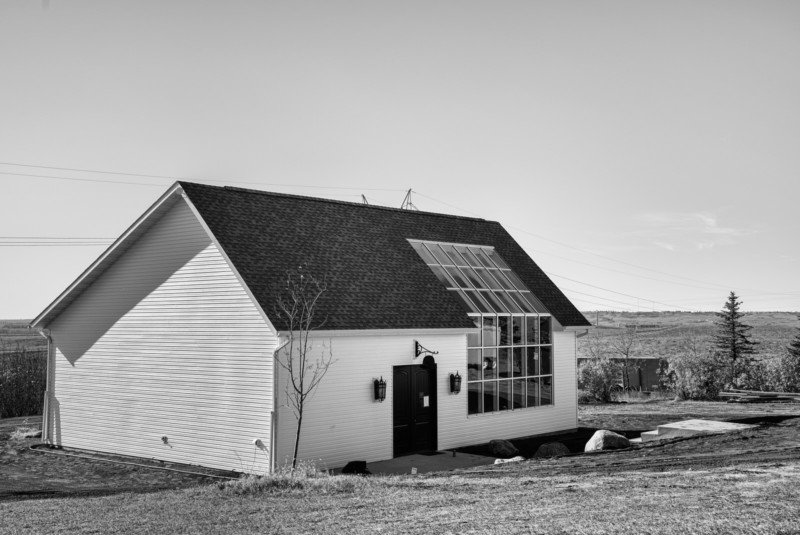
{"points": [[122, 244]]}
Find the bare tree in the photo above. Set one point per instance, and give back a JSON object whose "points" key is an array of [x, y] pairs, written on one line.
{"points": [[625, 343], [297, 306]]}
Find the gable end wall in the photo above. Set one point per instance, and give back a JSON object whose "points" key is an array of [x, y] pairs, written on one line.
{"points": [[166, 342]]}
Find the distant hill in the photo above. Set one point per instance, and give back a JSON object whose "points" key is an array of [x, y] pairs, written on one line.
{"points": [[663, 332]]}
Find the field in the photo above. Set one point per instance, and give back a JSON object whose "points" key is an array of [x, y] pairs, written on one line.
{"points": [[746, 482], [662, 333], [14, 334]]}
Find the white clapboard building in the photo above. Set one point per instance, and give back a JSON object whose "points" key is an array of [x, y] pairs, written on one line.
{"points": [[165, 347]]}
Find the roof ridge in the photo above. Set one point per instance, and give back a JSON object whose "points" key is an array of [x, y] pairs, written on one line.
{"points": [[335, 201]]}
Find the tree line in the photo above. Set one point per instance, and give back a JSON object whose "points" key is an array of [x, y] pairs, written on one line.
{"points": [[697, 369]]}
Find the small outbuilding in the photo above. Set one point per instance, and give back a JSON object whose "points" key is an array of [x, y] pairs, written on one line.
{"points": [[166, 347]]}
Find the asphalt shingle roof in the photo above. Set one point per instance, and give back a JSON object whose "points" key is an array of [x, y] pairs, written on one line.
{"points": [[375, 279]]}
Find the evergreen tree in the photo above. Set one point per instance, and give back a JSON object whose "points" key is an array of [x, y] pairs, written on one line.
{"points": [[732, 339], [790, 365]]}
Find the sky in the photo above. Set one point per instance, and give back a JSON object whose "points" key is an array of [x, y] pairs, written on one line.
{"points": [[645, 154]]}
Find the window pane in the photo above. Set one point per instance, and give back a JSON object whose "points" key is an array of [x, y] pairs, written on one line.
{"points": [[546, 359], [439, 254], [461, 281], [505, 395], [488, 280], [535, 303], [518, 363], [479, 301], [546, 391], [533, 360], [489, 331], [533, 392], [467, 301], [443, 277], [519, 394], [496, 258], [504, 362], [503, 326], [490, 363], [518, 284], [509, 303], [532, 336], [490, 396], [474, 364], [427, 257], [544, 331], [517, 330], [474, 280], [495, 303], [480, 254], [454, 256], [521, 302], [502, 279], [475, 397], [474, 337], [468, 256]]}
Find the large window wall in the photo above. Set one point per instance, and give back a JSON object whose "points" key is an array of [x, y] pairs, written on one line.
{"points": [[510, 355], [509, 363]]}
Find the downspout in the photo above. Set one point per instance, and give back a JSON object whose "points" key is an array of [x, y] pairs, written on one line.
{"points": [[273, 428], [48, 387]]}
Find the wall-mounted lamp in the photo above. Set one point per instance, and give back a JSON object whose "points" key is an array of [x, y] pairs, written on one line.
{"points": [[419, 350], [380, 389], [455, 383]]}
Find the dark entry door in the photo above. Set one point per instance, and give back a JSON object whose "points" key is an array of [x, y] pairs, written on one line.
{"points": [[414, 408]]}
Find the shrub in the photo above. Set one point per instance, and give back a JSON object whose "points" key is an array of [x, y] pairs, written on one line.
{"points": [[22, 382], [697, 374], [597, 377]]}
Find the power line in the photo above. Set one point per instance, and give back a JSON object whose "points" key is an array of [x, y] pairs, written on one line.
{"points": [[723, 286], [171, 178], [604, 298], [611, 291]]}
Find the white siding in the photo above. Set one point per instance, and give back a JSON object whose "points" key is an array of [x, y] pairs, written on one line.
{"points": [[343, 423], [166, 342]]}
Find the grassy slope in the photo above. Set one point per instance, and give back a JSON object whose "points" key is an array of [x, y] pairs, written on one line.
{"points": [[663, 332]]}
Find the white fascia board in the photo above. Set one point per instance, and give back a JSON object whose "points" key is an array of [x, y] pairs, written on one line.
{"points": [[107, 257], [230, 264], [383, 332], [580, 329]]}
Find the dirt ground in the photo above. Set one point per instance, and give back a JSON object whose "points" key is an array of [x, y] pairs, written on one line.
{"points": [[30, 474], [27, 474]]}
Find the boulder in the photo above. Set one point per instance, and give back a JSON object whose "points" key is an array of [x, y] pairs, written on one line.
{"points": [[503, 448], [552, 449], [516, 459], [606, 440]]}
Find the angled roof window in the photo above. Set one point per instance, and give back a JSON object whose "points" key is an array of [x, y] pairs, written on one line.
{"points": [[480, 277]]}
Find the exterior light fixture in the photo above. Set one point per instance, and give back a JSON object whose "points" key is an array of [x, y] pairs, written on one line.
{"points": [[455, 383], [380, 389], [419, 350]]}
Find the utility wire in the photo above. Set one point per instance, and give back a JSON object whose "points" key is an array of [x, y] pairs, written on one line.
{"points": [[723, 286]]}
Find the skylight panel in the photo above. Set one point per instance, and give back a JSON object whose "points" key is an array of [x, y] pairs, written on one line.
{"points": [[480, 277]]}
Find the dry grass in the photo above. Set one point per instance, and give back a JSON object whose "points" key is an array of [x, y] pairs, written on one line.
{"points": [[743, 499]]}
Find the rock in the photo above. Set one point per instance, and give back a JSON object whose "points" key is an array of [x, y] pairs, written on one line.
{"points": [[516, 459], [552, 449], [503, 448], [606, 440], [356, 467]]}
